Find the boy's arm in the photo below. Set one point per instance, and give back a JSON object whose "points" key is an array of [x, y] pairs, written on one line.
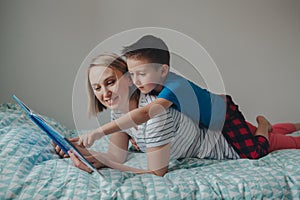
{"points": [[136, 116], [131, 119]]}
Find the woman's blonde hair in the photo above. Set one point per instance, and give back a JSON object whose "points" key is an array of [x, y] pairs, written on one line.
{"points": [[106, 60]]}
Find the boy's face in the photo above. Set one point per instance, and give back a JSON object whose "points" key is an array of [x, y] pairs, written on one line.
{"points": [[146, 76]]}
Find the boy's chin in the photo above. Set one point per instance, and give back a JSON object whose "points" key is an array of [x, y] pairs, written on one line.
{"points": [[145, 91]]}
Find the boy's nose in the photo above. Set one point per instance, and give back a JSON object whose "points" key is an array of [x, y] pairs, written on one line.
{"points": [[136, 81]]}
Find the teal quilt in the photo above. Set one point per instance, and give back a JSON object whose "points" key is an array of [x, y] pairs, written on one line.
{"points": [[30, 169]]}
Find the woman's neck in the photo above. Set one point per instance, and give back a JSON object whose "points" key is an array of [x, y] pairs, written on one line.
{"points": [[133, 104]]}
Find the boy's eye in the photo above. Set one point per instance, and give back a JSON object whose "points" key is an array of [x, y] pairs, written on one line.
{"points": [[142, 74]]}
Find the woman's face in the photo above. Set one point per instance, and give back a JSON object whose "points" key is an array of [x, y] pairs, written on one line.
{"points": [[111, 87]]}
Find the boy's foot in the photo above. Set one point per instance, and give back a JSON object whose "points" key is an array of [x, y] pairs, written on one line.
{"points": [[262, 127], [297, 125], [261, 120]]}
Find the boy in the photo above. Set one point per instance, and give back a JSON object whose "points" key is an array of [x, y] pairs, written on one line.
{"points": [[148, 64]]}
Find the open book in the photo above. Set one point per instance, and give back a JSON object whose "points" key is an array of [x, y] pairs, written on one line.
{"points": [[60, 140]]}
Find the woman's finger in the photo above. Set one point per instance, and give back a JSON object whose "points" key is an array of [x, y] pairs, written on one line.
{"points": [[134, 144], [59, 151], [62, 154], [77, 163], [53, 144], [94, 161]]}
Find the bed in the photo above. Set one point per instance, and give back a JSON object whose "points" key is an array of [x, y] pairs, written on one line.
{"points": [[30, 169]]}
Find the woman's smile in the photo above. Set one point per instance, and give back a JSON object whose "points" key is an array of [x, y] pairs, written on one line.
{"points": [[112, 101]]}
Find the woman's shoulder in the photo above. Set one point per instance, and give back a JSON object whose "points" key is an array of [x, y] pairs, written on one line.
{"points": [[115, 114], [146, 99]]}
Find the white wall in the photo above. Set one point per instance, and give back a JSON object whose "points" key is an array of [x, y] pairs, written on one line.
{"points": [[255, 44]]}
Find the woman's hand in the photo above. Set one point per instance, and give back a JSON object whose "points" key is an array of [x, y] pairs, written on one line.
{"points": [[88, 139], [79, 164], [60, 152], [134, 144]]}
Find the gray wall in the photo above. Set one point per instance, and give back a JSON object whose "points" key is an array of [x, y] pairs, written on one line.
{"points": [[255, 44]]}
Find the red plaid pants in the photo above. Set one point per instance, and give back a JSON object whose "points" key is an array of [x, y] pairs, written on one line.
{"points": [[239, 136]]}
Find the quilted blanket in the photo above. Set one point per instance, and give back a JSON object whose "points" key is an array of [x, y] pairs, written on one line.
{"points": [[30, 169]]}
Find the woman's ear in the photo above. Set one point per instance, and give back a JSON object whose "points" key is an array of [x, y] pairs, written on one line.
{"points": [[165, 70]]}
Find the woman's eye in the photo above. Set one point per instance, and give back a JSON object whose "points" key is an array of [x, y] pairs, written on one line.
{"points": [[96, 88], [111, 82]]}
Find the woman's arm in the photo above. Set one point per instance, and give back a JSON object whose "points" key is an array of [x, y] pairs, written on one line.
{"points": [[117, 152], [118, 147], [158, 161], [131, 119]]}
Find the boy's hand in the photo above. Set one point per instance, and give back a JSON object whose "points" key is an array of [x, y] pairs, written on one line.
{"points": [[88, 139]]}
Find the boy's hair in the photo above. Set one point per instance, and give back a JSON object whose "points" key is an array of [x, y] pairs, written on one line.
{"points": [[150, 48], [106, 60]]}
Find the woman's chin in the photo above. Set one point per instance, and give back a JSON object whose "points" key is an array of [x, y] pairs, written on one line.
{"points": [[114, 106]]}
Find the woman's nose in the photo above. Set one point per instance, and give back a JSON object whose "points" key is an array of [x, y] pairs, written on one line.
{"points": [[106, 92]]}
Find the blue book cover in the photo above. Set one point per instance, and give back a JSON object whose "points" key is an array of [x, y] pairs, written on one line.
{"points": [[55, 136]]}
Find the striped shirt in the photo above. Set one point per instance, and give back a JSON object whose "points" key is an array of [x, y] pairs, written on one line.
{"points": [[185, 136]]}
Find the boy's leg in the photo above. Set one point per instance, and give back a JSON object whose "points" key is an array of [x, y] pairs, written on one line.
{"points": [[297, 126], [239, 136], [279, 141], [284, 128], [280, 128], [251, 127]]}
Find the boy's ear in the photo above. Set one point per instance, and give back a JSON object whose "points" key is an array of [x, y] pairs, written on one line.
{"points": [[165, 70], [130, 80]]}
